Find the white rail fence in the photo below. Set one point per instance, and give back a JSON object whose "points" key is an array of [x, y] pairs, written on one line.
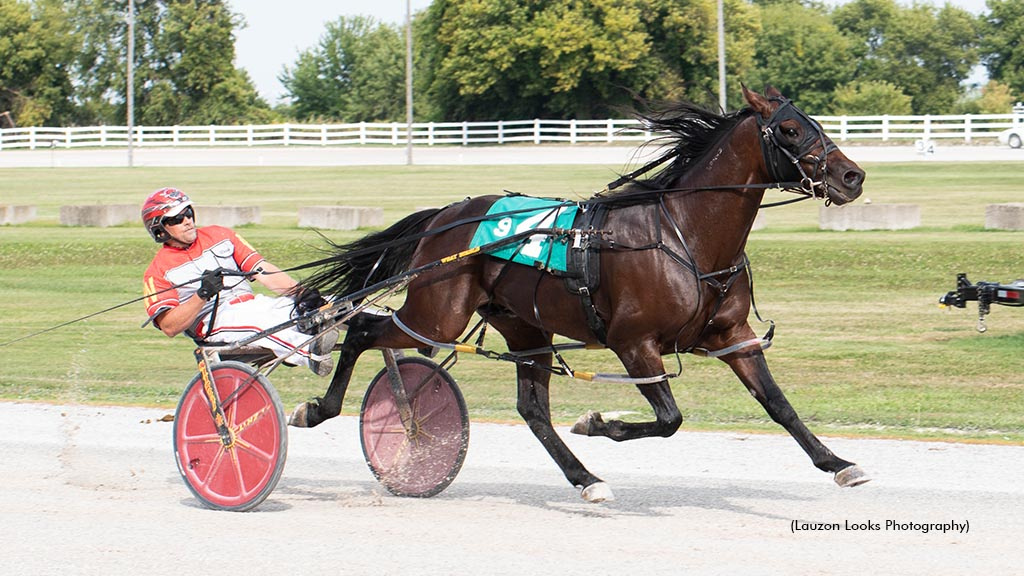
{"points": [[966, 128]]}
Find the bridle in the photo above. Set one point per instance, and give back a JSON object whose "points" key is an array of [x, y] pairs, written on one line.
{"points": [[784, 161]]}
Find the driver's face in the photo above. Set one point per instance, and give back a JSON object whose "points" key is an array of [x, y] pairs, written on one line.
{"points": [[182, 234]]}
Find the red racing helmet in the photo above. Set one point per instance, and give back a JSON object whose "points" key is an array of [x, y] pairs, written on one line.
{"points": [[163, 203]]}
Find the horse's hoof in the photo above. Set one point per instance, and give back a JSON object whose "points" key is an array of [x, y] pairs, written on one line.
{"points": [[851, 476], [298, 417], [598, 492], [585, 424]]}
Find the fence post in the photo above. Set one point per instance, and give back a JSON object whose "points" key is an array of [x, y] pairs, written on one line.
{"points": [[536, 130], [323, 134], [611, 131], [501, 131], [213, 135], [885, 128], [248, 134], [844, 128], [927, 127], [430, 133], [572, 131], [967, 128], [465, 133]]}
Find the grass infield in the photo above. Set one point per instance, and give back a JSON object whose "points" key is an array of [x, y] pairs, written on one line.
{"points": [[861, 346]]}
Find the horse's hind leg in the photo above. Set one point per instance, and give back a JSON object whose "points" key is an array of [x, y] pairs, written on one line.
{"points": [[752, 370], [362, 332], [534, 405], [639, 363]]}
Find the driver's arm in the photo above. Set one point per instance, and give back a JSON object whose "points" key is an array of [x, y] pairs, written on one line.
{"points": [[177, 319]]}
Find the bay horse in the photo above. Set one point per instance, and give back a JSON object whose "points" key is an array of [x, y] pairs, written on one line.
{"points": [[672, 276]]}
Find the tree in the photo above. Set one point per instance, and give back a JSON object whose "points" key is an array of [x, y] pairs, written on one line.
{"points": [[355, 73], [570, 59], [870, 98], [184, 64], [803, 54], [35, 49], [993, 98], [1002, 50], [924, 51]]}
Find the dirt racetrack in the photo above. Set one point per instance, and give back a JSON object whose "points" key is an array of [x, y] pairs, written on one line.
{"points": [[94, 491]]}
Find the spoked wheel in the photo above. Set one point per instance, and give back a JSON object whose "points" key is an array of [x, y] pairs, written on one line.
{"points": [[239, 476], [425, 461]]}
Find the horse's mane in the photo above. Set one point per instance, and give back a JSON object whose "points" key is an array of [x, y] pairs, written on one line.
{"points": [[689, 131]]}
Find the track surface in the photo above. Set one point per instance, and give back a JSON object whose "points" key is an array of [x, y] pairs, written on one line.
{"points": [[94, 491]]}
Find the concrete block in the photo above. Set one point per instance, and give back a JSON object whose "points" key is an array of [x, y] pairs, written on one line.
{"points": [[340, 217], [870, 217], [11, 214], [229, 216], [99, 215], [1005, 216]]}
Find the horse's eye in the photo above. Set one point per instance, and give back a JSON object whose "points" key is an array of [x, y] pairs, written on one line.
{"points": [[790, 132]]}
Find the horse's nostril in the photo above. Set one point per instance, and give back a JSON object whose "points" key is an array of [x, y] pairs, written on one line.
{"points": [[853, 178]]}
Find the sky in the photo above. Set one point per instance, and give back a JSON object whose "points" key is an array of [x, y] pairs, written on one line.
{"points": [[277, 32]]}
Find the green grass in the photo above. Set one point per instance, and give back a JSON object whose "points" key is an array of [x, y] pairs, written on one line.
{"points": [[861, 346]]}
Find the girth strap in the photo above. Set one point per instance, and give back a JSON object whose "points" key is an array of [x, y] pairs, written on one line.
{"points": [[583, 261]]}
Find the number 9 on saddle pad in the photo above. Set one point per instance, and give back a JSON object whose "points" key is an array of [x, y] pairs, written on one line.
{"points": [[518, 214]]}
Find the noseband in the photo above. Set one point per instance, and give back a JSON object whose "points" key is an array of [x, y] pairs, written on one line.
{"points": [[784, 161]]}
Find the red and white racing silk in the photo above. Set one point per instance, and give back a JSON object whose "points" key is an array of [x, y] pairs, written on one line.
{"points": [[173, 277]]}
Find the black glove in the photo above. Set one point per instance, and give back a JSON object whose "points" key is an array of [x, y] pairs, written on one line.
{"points": [[307, 300], [211, 283]]}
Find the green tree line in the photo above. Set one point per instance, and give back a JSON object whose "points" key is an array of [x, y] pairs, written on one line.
{"points": [[63, 62]]}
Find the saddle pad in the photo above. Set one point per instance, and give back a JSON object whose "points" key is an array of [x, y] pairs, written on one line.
{"points": [[540, 250]]}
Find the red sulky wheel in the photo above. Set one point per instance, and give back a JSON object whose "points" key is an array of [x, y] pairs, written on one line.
{"points": [[425, 463], [240, 476]]}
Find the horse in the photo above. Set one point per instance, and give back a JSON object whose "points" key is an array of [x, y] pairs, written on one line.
{"points": [[672, 276]]}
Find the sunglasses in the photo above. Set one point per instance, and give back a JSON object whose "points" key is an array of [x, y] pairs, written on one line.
{"points": [[175, 220]]}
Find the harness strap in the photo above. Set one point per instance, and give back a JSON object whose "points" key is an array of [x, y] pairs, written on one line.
{"points": [[520, 358], [584, 262]]}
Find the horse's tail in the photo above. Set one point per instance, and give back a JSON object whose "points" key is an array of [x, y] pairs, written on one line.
{"points": [[372, 258]]}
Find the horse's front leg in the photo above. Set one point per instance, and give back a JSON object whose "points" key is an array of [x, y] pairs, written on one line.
{"points": [[752, 369], [639, 362]]}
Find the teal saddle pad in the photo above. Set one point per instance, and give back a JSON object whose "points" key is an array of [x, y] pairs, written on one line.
{"points": [[545, 251]]}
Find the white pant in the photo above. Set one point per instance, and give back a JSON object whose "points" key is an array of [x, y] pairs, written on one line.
{"points": [[241, 320]]}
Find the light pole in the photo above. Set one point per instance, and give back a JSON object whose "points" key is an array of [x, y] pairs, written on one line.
{"points": [[130, 91], [721, 56], [408, 82]]}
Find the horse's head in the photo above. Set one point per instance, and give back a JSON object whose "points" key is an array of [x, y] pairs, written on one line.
{"points": [[796, 149]]}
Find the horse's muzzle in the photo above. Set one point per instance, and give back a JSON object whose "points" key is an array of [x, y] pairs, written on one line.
{"points": [[849, 184]]}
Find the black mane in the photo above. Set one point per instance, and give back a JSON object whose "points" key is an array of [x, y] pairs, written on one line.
{"points": [[689, 132]]}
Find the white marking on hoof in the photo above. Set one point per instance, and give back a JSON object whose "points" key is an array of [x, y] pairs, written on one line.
{"points": [[851, 476], [584, 424], [298, 417], [598, 492]]}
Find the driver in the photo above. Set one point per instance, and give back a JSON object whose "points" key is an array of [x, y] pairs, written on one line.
{"points": [[186, 290]]}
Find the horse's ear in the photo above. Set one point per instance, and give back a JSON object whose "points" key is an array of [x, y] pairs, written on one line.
{"points": [[772, 92], [757, 102]]}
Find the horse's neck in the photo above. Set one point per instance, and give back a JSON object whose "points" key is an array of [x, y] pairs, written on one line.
{"points": [[717, 221]]}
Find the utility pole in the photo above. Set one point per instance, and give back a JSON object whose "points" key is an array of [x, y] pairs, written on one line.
{"points": [[721, 57], [130, 89]]}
